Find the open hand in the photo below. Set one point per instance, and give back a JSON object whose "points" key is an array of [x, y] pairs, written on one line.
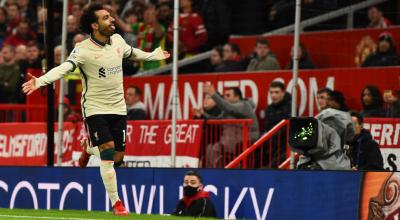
{"points": [[29, 86], [166, 54], [209, 89]]}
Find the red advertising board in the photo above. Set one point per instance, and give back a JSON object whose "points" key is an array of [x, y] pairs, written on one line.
{"points": [[157, 94], [386, 131], [148, 143], [327, 49]]}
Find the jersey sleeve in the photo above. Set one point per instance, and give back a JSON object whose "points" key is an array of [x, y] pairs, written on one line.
{"points": [[54, 74], [76, 58]]}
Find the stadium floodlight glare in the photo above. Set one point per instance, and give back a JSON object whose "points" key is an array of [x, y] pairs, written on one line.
{"points": [[319, 145]]}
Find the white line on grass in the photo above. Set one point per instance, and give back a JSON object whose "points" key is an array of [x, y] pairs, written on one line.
{"points": [[46, 217]]}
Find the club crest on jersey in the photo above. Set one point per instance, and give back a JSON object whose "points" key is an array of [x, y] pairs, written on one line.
{"points": [[102, 72]]}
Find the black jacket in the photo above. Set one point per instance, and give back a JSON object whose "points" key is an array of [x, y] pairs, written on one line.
{"points": [[136, 114], [230, 66], [277, 112], [382, 59], [365, 153], [201, 206], [373, 112]]}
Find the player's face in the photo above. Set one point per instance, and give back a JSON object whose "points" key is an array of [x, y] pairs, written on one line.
{"points": [[105, 23], [192, 181]]}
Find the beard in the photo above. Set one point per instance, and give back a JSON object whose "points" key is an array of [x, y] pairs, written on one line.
{"points": [[106, 31]]}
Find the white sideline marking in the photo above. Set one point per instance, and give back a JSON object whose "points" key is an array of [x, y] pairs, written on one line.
{"points": [[46, 217]]}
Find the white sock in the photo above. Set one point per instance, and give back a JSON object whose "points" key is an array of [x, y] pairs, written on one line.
{"points": [[93, 151], [109, 177]]}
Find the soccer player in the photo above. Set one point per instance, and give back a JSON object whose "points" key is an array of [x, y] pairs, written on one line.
{"points": [[99, 59]]}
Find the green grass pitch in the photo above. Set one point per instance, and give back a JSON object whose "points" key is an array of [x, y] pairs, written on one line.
{"points": [[30, 214]]}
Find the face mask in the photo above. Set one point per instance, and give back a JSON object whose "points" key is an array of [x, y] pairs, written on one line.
{"points": [[190, 191]]}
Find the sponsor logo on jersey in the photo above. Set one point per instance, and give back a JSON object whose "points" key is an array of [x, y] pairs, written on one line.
{"points": [[102, 72]]}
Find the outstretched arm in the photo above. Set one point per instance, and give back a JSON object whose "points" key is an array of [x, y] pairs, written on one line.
{"points": [[54, 74], [157, 54]]}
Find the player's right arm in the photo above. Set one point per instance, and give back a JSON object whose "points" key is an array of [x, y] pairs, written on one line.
{"points": [[74, 60], [51, 76]]}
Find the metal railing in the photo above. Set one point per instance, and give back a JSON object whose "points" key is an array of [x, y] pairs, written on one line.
{"points": [[223, 140], [349, 10], [256, 157]]}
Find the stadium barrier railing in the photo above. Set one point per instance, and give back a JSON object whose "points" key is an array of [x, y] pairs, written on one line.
{"points": [[224, 140], [269, 151]]}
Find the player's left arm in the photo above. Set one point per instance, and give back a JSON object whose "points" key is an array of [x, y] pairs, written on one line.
{"points": [[137, 54]]}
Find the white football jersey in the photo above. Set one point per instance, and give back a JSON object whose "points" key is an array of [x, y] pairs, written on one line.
{"points": [[101, 68]]}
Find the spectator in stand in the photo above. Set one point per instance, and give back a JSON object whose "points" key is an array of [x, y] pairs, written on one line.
{"points": [[337, 101], [232, 61], [130, 18], [27, 10], [14, 17], [69, 114], [20, 53], [392, 104], [9, 76], [217, 19], [376, 18], [77, 38], [372, 102], [150, 35], [304, 60], [76, 11], [3, 24], [265, 59], [165, 14], [385, 54], [192, 32], [279, 109], [23, 35], [195, 202], [233, 106], [216, 58], [136, 108], [323, 97], [210, 109], [72, 30], [33, 59], [365, 152]]}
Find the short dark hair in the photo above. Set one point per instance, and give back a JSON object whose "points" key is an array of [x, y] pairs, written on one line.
{"points": [[277, 84], [360, 117], [325, 90], [194, 173], [262, 41], [234, 47], [89, 17], [138, 91], [338, 97], [219, 50], [236, 92]]}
